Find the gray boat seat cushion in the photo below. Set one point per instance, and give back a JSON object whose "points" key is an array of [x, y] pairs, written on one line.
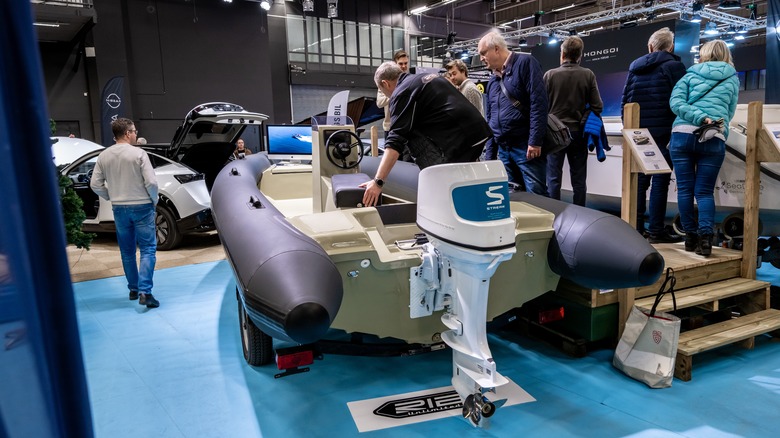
{"points": [[346, 193]]}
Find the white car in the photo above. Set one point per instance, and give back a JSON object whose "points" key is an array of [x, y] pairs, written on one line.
{"points": [[184, 205]]}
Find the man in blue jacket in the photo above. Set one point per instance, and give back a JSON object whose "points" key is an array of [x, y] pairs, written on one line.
{"points": [[650, 81], [516, 112]]}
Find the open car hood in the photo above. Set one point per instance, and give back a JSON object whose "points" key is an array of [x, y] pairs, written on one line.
{"points": [[207, 137]]}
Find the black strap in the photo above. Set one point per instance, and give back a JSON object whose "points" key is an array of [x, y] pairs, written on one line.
{"points": [[515, 103], [708, 91], [670, 280]]}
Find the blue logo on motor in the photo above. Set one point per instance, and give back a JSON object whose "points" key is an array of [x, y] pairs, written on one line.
{"points": [[482, 202]]}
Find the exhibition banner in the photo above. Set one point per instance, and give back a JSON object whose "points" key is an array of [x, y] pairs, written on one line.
{"points": [[609, 54], [112, 108], [772, 52]]}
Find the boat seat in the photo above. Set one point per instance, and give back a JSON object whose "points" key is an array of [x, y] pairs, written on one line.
{"points": [[346, 193]]}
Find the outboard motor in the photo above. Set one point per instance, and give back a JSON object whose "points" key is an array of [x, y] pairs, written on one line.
{"points": [[464, 211]]}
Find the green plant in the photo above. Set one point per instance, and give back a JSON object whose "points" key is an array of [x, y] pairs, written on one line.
{"points": [[73, 214], [72, 208]]}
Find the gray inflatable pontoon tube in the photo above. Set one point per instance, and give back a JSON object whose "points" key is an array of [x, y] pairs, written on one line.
{"points": [[290, 288]]}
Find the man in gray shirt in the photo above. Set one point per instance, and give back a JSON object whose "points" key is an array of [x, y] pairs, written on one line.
{"points": [[124, 175], [458, 74]]}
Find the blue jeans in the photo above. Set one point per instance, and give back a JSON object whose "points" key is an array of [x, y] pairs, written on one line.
{"points": [[577, 155], [696, 166], [531, 174], [135, 226], [659, 192]]}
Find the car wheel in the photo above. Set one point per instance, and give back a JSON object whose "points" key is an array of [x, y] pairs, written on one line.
{"points": [[168, 235], [258, 347]]}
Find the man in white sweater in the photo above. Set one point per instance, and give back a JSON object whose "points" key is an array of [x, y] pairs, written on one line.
{"points": [[124, 175]]}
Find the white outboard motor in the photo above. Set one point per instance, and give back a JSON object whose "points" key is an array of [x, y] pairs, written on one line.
{"points": [[464, 210]]}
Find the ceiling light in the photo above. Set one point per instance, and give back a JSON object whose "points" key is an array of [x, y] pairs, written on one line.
{"points": [[265, 4], [553, 39], [730, 4], [522, 42], [739, 37], [711, 28], [627, 22], [563, 8], [308, 5], [44, 24], [696, 18], [228, 1], [333, 9], [418, 11]]}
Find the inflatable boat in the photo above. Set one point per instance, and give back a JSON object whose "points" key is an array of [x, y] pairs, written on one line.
{"points": [[431, 264]]}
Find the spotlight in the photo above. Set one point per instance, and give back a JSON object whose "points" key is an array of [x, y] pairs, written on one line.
{"points": [[752, 8], [451, 38], [522, 42], [265, 4], [553, 39], [711, 28], [308, 5], [333, 9], [697, 6], [648, 3], [739, 37], [696, 18], [228, 1]]}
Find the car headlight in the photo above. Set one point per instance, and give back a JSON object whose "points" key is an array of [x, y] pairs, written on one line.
{"points": [[189, 177]]}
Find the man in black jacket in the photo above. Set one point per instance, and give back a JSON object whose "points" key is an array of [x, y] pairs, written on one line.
{"points": [[571, 90], [430, 117], [650, 81]]}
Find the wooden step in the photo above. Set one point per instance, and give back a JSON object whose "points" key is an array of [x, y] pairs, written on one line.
{"points": [[717, 335], [710, 294], [693, 270]]}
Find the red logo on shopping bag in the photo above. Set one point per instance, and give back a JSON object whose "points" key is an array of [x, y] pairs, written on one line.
{"points": [[657, 336]]}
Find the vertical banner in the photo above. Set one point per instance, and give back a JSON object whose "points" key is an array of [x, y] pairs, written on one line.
{"points": [[111, 108], [772, 52], [337, 108]]}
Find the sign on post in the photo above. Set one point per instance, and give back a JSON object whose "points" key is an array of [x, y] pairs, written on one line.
{"points": [[645, 152]]}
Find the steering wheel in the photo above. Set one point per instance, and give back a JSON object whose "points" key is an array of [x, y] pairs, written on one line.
{"points": [[339, 147]]}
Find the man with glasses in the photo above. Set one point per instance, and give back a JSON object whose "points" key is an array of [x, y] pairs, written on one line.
{"points": [[124, 175]]}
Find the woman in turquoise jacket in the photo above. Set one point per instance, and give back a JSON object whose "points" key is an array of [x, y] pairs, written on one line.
{"points": [[706, 94]]}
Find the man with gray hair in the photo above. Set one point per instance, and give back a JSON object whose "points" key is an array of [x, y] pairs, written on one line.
{"points": [[430, 117], [516, 112], [650, 81]]}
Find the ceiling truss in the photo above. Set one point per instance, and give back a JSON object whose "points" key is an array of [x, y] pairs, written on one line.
{"points": [[565, 28]]}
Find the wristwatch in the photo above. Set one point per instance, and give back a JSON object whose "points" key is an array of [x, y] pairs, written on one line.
{"points": [[379, 181]]}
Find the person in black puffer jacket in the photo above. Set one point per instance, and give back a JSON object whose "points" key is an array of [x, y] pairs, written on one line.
{"points": [[650, 81]]}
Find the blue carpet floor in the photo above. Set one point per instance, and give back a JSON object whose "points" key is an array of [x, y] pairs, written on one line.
{"points": [[178, 371]]}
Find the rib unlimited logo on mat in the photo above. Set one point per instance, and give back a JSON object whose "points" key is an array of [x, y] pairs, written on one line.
{"points": [[416, 407]]}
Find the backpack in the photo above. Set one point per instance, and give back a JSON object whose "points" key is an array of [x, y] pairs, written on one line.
{"points": [[557, 136]]}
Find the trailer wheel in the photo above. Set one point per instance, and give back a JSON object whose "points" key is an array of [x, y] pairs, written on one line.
{"points": [[258, 347]]}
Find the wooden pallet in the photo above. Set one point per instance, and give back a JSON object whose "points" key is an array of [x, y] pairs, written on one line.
{"points": [[738, 330]]}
